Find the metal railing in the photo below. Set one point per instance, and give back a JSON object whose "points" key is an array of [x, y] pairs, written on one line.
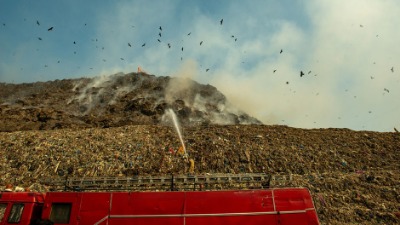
{"points": [[168, 182]]}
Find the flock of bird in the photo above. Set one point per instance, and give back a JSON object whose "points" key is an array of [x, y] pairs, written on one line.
{"points": [[129, 43], [159, 39]]}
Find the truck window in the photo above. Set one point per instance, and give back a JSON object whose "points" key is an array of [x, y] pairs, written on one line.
{"points": [[3, 207], [16, 213], [60, 212]]}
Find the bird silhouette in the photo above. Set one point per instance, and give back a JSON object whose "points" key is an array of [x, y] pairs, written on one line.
{"points": [[222, 20], [39, 38], [235, 39], [50, 29], [301, 74], [387, 90], [122, 58], [158, 40], [74, 43], [37, 22], [182, 49], [274, 71], [129, 44], [169, 45], [281, 51], [201, 42], [309, 72], [160, 28], [392, 69], [207, 70], [144, 44], [189, 33], [159, 34]]}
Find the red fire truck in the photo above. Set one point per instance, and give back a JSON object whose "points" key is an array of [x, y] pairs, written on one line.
{"points": [[189, 200]]}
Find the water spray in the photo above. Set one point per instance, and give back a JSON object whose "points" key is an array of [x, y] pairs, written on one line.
{"points": [[176, 125]]}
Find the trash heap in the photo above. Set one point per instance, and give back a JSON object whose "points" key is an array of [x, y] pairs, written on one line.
{"points": [[354, 176]]}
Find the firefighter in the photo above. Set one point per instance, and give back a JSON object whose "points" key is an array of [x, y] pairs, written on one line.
{"points": [[181, 150], [191, 168], [8, 188]]}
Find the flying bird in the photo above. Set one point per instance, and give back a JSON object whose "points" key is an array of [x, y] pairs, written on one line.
{"points": [[39, 38], [235, 39], [201, 42], [222, 20], [281, 51], [159, 34], [301, 74], [392, 69], [50, 29], [122, 58], [207, 70], [158, 40], [144, 44], [4, 24], [160, 28], [387, 90], [37, 22], [189, 33], [129, 44], [169, 45], [182, 49], [309, 72], [274, 71], [74, 43]]}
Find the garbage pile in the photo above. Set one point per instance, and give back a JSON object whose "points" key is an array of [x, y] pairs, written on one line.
{"points": [[113, 101], [354, 176]]}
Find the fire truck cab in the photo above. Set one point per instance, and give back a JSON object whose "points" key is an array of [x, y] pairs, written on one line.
{"points": [[20, 207]]}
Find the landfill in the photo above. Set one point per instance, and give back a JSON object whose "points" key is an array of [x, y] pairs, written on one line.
{"points": [[118, 126], [354, 176]]}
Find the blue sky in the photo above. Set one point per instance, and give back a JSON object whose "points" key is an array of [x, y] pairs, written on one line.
{"points": [[346, 49]]}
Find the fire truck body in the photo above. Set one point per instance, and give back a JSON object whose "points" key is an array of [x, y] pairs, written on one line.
{"points": [[263, 206]]}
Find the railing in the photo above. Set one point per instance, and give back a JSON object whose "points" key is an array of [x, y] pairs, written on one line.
{"points": [[168, 182]]}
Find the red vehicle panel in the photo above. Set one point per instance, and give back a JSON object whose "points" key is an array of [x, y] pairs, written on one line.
{"points": [[269, 206]]}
